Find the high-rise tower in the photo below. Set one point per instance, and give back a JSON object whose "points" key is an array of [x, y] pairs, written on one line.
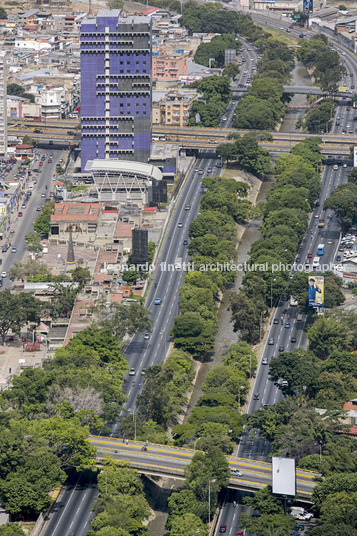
{"points": [[115, 87]]}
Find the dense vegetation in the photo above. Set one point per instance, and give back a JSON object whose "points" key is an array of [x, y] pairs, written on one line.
{"points": [[217, 93], [284, 224], [121, 507], [215, 49], [320, 118], [325, 377], [316, 54], [246, 153], [263, 105]]}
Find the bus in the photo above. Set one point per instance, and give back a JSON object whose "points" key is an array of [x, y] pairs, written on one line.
{"points": [[320, 249], [293, 302], [315, 263]]}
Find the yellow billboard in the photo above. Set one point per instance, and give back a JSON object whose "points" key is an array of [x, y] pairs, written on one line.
{"points": [[316, 290]]}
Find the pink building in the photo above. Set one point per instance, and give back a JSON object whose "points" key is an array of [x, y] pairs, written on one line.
{"points": [[169, 66]]}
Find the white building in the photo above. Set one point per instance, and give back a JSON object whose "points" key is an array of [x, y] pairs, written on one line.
{"points": [[52, 101], [3, 106], [31, 45]]}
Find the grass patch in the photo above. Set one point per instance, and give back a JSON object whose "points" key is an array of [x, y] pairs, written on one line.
{"points": [[281, 35]]}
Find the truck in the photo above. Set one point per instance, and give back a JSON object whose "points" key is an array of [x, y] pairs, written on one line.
{"points": [[342, 89], [300, 513], [320, 249], [321, 224], [178, 263]]}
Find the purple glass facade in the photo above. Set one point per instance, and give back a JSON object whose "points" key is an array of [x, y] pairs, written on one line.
{"points": [[115, 87]]}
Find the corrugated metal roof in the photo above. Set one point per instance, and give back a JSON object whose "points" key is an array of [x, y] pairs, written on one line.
{"points": [[123, 166]]}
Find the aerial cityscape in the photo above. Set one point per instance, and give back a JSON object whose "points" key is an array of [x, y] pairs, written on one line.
{"points": [[178, 279]]}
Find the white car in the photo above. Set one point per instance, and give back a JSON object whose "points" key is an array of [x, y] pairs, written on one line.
{"points": [[236, 472], [132, 372], [3, 274]]}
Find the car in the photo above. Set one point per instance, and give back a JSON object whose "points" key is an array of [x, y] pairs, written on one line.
{"points": [[180, 224], [240, 532], [157, 301], [38, 209], [23, 205], [264, 361], [187, 206], [38, 131], [19, 214], [4, 249], [13, 249], [50, 160], [132, 372], [43, 194], [223, 528], [143, 372], [196, 170], [185, 242], [3, 274], [200, 171], [209, 170], [295, 533], [309, 255], [284, 383], [224, 118], [297, 259], [256, 396], [40, 163], [338, 258], [236, 472], [329, 241], [335, 167], [281, 348], [287, 325], [271, 341], [276, 321], [293, 339], [147, 335]]}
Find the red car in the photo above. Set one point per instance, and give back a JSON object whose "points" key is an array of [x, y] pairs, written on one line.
{"points": [[40, 163], [20, 214], [239, 533], [223, 528], [309, 255]]}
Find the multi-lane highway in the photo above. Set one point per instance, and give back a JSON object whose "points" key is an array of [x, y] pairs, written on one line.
{"points": [[269, 394]]}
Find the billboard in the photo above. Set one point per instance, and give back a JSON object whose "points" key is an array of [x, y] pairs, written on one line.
{"points": [[355, 156], [284, 476], [316, 290], [307, 6]]}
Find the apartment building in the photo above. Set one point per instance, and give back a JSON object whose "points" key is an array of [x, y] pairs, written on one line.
{"points": [[173, 108], [167, 66]]}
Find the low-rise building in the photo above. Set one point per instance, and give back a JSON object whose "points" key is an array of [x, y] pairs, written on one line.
{"points": [[173, 107], [80, 219], [21, 108]]}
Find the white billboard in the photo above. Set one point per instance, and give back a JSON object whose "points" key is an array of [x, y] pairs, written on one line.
{"points": [[284, 476], [355, 156]]}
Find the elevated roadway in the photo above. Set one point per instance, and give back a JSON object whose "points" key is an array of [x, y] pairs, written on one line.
{"points": [[161, 460]]}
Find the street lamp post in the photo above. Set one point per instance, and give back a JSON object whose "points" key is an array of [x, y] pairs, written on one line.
{"points": [[134, 420], [271, 293], [239, 389], [209, 500]]}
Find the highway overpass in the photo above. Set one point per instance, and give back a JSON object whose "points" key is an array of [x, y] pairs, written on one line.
{"points": [[302, 90], [170, 462]]}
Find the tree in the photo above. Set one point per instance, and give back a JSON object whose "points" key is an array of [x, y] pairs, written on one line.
{"points": [[269, 524], [80, 275], [124, 319], [352, 175], [13, 89], [187, 524], [264, 501], [193, 334], [343, 201], [231, 70], [333, 529], [33, 242], [216, 49], [346, 482], [11, 529], [184, 502], [205, 467], [117, 477], [15, 311], [242, 358], [63, 300], [42, 222], [246, 316], [298, 367], [30, 267], [328, 334], [28, 140]]}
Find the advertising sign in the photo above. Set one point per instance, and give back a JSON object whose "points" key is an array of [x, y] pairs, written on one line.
{"points": [[355, 156], [284, 477], [308, 6], [316, 290]]}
